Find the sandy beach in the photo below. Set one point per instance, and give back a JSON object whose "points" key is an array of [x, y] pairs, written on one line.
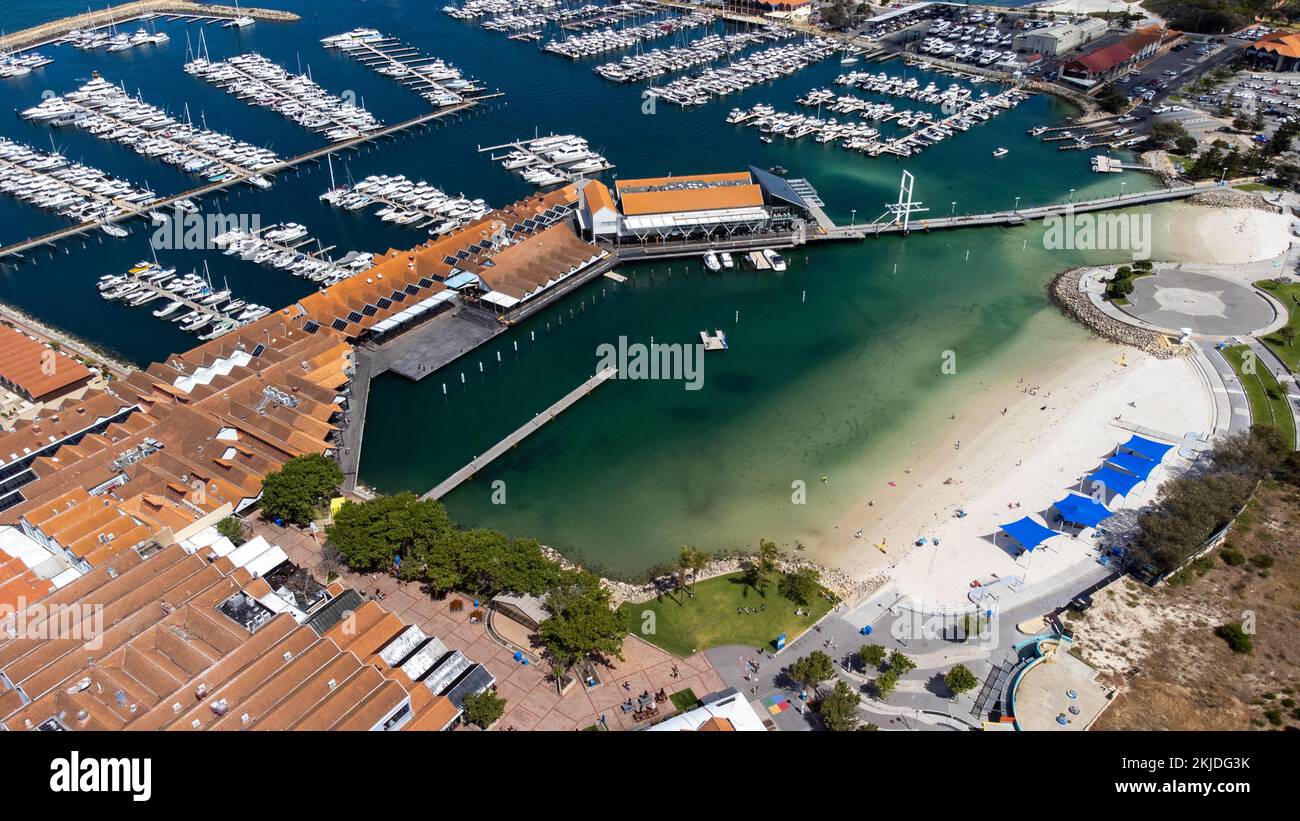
{"points": [[1093, 6], [1021, 444], [1227, 236]]}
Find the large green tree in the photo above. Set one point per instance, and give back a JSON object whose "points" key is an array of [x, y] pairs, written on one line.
{"points": [[764, 564], [960, 679], [370, 534], [801, 585], [582, 624], [871, 656], [297, 492], [900, 663], [483, 709], [813, 669], [886, 683], [839, 709]]}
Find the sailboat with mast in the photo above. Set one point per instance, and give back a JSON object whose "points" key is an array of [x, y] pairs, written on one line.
{"points": [[240, 20]]}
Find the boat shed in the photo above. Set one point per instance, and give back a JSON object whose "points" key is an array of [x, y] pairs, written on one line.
{"points": [[694, 206]]}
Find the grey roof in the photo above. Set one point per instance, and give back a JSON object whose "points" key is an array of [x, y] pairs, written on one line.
{"points": [[402, 646], [532, 606], [475, 680], [334, 611], [445, 674], [424, 660], [777, 187]]}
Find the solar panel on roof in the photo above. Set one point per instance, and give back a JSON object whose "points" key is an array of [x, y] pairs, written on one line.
{"points": [[339, 325], [259, 347], [449, 260], [385, 303], [412, 290], [311, 327], [462, 254], [369, 310], [426, 283], [354, 317]]}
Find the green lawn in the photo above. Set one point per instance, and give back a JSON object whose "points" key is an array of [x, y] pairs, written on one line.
{"points": [[1289, 295], [685, 700], [712, 617], [1264, 410]]}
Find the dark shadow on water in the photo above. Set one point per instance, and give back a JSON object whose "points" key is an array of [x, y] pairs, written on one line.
{"points": [[733, 382]]}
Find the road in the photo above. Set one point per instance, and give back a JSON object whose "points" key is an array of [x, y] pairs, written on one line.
{"points": [[922, 701]]}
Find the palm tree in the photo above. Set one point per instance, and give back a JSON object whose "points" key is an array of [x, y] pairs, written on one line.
{"points": [[766, 563], [698, 560], [684, 560]]}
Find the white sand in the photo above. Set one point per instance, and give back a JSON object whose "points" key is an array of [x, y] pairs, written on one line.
{"points": [[1031, 456], [1093, 6], [1228, 236]]}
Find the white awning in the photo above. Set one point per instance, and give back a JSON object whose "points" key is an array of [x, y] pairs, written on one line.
{"points": [[685, 219]]}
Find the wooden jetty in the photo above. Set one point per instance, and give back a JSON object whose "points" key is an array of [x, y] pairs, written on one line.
{"points": [[479, 462]]}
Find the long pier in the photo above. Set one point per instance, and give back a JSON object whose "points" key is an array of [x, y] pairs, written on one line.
{"points": [[315, 154], [479, 462], [1017, 216]]}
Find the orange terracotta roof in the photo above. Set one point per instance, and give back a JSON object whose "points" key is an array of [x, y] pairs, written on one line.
{"points": [[667, 201], [597, 195], [437, 716], [34, 369], [1285, 44], [716, 724]]}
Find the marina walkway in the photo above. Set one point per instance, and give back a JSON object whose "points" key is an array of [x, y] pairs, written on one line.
{"points": [[1020, 215], [479, 462]]}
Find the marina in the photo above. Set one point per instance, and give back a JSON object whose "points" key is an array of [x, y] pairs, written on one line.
{"points": [[193, 303], [754, 69], [286, 246], [106, 111], [666, 294], [1106, 133], [405, 202], [438, 82], [78, 27], [50, 181], [593, 43], [921, 127], [185, 199], [530, 18], [707, 49], [549, 160], [258, 81], [20, 65], [113, 41]]}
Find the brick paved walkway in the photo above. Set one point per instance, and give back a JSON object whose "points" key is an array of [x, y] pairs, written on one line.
{"points": [[532, 702]]}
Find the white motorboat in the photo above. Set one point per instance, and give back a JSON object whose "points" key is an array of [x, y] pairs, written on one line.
{"points": [[774, 259]]}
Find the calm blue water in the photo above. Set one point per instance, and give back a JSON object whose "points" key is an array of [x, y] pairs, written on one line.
{"points": [[687, 463]]}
